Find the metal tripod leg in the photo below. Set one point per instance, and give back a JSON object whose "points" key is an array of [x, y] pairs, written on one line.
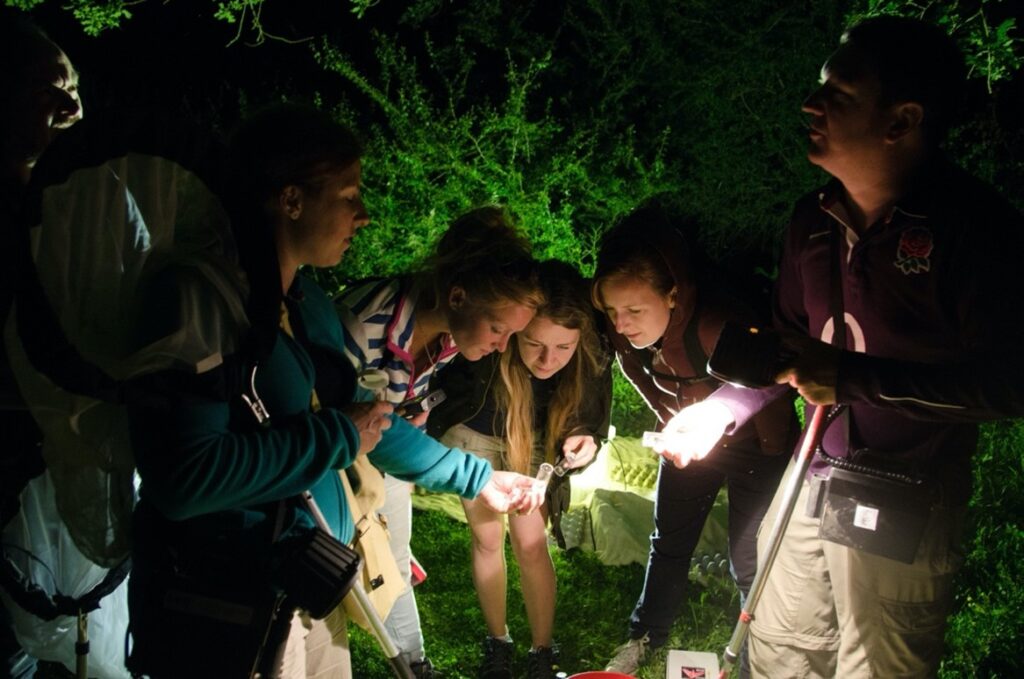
{"points": [[792, 483], [399, 665]]}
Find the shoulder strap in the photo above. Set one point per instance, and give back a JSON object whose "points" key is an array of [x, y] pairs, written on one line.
{"points": [[694, 353], [364, 492], [836, 290], [691, 343], [839, 410]]}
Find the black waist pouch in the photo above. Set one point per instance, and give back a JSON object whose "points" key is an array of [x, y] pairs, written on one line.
{"points": [[319, 574], [872, 514]]}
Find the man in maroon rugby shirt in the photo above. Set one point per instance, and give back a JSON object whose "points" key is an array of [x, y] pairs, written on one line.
{"points": [[924, 255]]}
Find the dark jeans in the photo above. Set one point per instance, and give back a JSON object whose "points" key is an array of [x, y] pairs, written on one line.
{"points": [[683, 501]]}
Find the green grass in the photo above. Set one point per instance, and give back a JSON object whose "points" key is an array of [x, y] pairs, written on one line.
{"points": [[983, 639], [594, 603]]}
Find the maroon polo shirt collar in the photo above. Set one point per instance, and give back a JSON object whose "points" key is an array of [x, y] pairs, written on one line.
{"points": [[917, 203]]}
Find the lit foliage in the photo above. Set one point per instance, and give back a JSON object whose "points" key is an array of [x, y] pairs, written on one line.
{"points": [[246, 16], [95, 16], [439, 154], [725, 81]]}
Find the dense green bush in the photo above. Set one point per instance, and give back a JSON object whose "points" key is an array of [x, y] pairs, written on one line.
{"points": [[984, 636], [439, 154]]}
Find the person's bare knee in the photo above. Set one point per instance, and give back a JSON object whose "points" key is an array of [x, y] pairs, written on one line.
{"points": [[529, 538], [487, 530]]}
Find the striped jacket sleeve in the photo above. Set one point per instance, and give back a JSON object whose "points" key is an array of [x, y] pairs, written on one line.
{"points": [[364, 312]]}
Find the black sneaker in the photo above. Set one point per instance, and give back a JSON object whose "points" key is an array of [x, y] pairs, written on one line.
{"points": [[542, 663], [497, 662], [423, 669]]}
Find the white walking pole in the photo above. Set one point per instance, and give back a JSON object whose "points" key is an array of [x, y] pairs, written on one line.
{"points": [[399, 664]]}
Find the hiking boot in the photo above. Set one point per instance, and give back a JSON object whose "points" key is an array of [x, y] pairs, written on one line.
{"points": [[542, 663], [630, 656], [424, 669], [497, 662]]}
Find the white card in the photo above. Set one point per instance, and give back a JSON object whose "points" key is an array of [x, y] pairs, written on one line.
{"points": [[865, 517], [691, 665]]}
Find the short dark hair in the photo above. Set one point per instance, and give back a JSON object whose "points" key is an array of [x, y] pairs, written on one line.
{"points": [[914, 61], [624, 253], [22, 45], [290, 144], [21, 40]]}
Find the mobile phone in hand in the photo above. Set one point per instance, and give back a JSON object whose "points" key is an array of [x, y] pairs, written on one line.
{"points": [[421, 404]]}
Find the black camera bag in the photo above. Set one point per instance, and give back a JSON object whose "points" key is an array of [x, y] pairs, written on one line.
{"points": [[873, 514]]}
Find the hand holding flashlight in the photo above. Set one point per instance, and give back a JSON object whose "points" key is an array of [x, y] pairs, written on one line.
{"points": [[691, 434]]}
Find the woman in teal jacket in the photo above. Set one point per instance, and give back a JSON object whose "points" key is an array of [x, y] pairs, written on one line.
{"points": [[224, 454]]}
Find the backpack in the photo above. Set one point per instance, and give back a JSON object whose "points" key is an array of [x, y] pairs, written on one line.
{"points": [[114, 199]]}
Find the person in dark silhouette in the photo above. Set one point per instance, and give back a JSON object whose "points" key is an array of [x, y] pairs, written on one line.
{"points": [[40, 99]]}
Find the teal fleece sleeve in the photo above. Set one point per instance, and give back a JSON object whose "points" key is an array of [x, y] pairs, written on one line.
{"points": [[409, 454], [192, 464]]}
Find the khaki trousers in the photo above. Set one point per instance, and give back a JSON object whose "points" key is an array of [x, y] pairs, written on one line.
{"points": [[491, 448], [310, 652], [832, 611]]}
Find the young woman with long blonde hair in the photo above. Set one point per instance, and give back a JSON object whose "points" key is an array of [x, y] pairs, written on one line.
{"points": [[545, 399]]}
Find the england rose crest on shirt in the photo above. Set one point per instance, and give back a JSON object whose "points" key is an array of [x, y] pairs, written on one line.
{"points": [[914, 250]]}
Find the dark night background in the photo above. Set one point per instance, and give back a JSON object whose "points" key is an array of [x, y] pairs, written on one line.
{"points": [[572, 112]]}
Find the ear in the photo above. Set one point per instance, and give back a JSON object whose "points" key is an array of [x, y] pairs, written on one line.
{"points": [[290, 201], [672, 297], [905, 119], [457, 297]]}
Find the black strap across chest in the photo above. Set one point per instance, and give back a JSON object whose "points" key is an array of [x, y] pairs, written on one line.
{"points": [[695, 354], [837, 307]]}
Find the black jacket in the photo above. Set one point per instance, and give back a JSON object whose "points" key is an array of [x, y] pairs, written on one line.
{"points": [[467, 386]]}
